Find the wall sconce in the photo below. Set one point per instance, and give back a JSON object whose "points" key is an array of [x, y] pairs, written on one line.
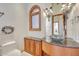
{"points": [[67, 7], [48, 11], [1, 14]]}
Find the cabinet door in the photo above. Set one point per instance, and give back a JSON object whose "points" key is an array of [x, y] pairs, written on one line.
{"points": [[27, 45], [32, 47], [38, 48]]}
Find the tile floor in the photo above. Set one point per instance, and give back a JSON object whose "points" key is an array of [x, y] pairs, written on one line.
{"points": [[16, 52]]}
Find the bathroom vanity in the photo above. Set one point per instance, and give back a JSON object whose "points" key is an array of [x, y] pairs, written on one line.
{"points": [[56, 41], [33, 46], [38, 47]]}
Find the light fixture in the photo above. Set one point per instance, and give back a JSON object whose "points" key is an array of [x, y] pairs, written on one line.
{"points": [[51, 10], [65, 7], [48, 11], [1, 14]]}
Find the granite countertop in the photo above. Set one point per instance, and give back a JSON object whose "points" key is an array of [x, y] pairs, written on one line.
{"points": [[34, 38], [70, 43]]}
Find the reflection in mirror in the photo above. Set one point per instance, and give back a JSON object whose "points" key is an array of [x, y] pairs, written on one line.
{"points": [[56, 30], [35, 21]]}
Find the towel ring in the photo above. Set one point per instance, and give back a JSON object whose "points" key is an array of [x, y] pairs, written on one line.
{"points": [[7, 29]]}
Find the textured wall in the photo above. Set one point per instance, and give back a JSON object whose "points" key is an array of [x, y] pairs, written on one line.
{"points": [[73, 24]]}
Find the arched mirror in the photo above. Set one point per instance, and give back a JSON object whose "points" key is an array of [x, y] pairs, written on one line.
{"points": [[35, 18]]}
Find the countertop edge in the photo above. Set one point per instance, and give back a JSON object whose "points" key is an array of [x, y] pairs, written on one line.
{"points": [[60, 45]]}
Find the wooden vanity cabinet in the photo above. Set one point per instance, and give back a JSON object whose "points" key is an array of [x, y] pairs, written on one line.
{"points": [[57, 50], [26, 45], [32, 46], [38, 48]]}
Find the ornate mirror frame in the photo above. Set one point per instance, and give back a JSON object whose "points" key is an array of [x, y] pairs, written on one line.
{"points": [[35, 18]]}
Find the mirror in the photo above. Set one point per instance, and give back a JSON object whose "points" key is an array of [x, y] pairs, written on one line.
{"points": [[58, 25], [35, 21], [35, 18]]}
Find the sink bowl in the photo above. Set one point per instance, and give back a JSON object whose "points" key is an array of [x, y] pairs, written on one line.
{"points": [[57, 41]]}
